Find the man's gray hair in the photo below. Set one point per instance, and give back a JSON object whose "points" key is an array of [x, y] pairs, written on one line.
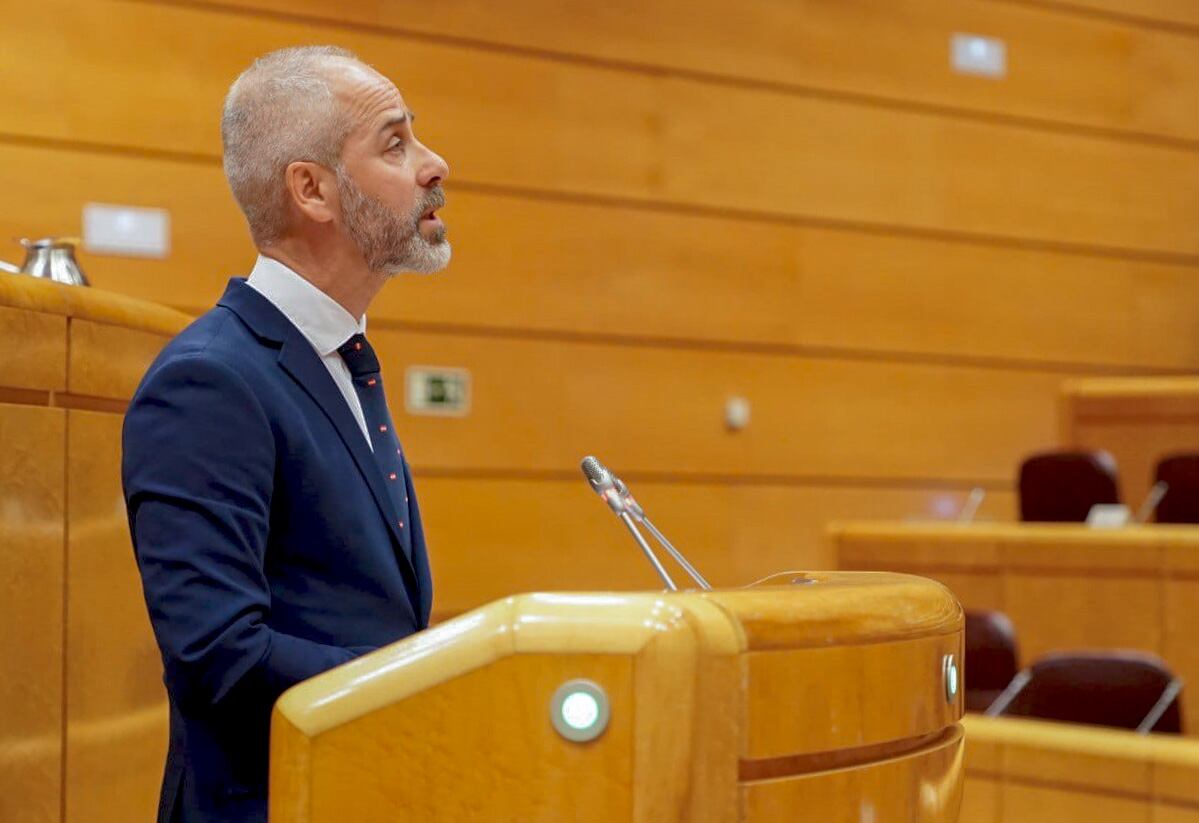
{"points": [[279, 111]]}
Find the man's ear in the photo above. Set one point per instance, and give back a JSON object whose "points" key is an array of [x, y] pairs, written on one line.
{"points": [[312, 189]]}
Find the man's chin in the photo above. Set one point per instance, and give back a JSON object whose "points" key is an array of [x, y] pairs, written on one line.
{"points": [[432, 258]]}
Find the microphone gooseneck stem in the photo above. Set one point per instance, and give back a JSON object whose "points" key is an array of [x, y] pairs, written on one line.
{"points": [[675, 553], [649, 553]]}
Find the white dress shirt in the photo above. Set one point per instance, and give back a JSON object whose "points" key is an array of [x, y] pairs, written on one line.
{"points": [[322, 320]]}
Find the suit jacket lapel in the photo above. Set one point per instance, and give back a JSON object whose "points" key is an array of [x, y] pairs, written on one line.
{"points": [[297, 358]]}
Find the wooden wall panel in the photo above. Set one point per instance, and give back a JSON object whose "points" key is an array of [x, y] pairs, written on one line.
{"points": [[209, 241], [1182, 13], [32, 505], [544, 405], [644, 137], [1116, 77], [116, 705], [490, 538], [523, 264]]}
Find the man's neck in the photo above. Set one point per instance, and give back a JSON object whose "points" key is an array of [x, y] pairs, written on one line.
{"points": [[338, 273]]}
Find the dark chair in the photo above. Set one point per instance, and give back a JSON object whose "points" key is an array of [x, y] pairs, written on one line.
{"points": [[1062, 486], [1121, 689], [991, 659], [1180, 473]]}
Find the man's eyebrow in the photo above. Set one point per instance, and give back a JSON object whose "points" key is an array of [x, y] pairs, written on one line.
{"points": [[406, 117]]}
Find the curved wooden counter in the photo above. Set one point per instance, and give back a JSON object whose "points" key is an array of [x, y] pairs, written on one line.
{"points": [[84, 727], [817, 693]]}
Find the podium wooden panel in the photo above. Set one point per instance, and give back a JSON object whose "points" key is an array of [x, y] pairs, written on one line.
{"points": [[83, 727], [1138, 419], [823, 694], [1063, 586], [1029, 771]]}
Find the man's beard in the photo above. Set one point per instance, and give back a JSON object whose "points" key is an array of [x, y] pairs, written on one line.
{"points": [[391, 243]]}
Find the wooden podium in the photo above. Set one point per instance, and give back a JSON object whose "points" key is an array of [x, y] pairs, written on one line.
{"points": [[831, 697]]}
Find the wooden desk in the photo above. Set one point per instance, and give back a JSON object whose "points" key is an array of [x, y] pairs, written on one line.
{"points": [[1063, 586], [1029, 771], [1138, 420]]}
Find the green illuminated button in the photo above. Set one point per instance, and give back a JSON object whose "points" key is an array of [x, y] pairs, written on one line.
{"points": [[579, 710], [949, 669]]}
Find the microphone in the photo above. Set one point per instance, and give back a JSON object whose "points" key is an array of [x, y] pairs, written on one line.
{"points": [[637, 513], [618, 497], [601, 482]]}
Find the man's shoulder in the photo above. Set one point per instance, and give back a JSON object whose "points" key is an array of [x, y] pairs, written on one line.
{"points": [[216, 341]]}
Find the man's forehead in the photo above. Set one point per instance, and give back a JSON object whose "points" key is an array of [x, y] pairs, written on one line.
{"points": [[368, 96]]}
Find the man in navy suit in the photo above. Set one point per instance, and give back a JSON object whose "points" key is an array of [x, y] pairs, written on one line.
{"points": [[272, 511]]}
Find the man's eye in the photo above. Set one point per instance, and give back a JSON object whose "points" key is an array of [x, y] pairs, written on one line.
{"points": [[395, 144]]}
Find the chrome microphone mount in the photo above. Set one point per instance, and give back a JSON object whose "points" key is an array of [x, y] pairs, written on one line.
{"points": [[620, 500]]}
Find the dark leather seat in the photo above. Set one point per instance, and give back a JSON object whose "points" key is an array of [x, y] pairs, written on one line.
{"points": [[1121, 689], [1062, 486], [991, 657], [1180, 472]]}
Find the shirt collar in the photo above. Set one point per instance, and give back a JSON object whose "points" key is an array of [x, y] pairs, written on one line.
{"points": [[321, 319]]}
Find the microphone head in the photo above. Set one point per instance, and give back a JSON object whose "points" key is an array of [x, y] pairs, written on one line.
{"points": [[594, 471], [600, 480]]}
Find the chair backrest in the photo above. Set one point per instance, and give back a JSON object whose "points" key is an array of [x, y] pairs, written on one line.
{"points": [[1062, 486], [1180, 472], [991, 657], [1121, 689]]}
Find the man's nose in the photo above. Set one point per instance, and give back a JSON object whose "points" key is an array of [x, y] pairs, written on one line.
{"points": [[434, 171]]}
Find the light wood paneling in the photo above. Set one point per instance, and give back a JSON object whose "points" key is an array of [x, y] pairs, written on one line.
{"points": [[1138, 420], [830, 716], [1044, 804], [1049, 771], [109, 361], [33, 350], [209, 242], [1180, 12], [1064, 587], [647, 138], [543, 772], [1084, 612], [543, 265], [491, 538], [980, 796], [527, 265], [920, 786], [543, 405], [1180, 616], [32, 506], [1116, 77], [116, 705]]}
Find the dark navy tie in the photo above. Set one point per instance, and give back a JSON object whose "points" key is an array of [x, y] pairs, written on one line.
{"points": [[368, 384]]}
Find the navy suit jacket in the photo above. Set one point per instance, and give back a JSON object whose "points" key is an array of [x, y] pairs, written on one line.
{"points": [[268, 545]]}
